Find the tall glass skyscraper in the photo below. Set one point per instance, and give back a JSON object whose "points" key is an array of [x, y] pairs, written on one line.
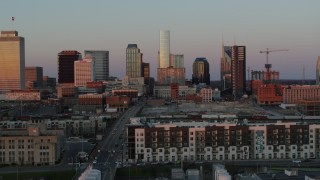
{"points": [[133, 61], [12, 60], [164, 53], [101, 60], [201, 72], [225, 71]]}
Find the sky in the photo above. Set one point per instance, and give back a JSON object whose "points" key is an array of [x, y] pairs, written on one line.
{"points": [[196, 30]]}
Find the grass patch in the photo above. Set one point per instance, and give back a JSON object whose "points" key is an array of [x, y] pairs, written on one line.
{"points": [[61, 175]]}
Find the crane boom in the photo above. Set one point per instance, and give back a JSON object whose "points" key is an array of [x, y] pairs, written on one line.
{"points": [[267, 65]]}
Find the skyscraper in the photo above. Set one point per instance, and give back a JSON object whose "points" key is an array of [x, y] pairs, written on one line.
{"points": [[225, 71], [201, 73], [170, 68], [101, 60], [318, 71], [66, 61], [84, 72], [12, 60], [133, 61], [238, 70], [164, 53]]}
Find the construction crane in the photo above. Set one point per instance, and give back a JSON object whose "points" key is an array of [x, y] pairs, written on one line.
{"points": [[268, 66]]}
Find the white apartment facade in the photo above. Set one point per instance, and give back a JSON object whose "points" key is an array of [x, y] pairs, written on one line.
{"points": [[206, 141]]}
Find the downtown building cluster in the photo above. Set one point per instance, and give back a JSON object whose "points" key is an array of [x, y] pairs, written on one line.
{"points": [[86, 87]]}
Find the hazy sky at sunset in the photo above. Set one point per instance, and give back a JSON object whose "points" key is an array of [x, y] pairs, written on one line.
{"points": [[196, 29]]}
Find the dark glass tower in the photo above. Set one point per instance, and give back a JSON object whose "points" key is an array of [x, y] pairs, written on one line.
{"points": [[66, 61], [238, 71], [201, 71]]}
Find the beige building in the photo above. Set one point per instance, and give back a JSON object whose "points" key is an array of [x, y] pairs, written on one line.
{"points": [[31, 145], [206, 94], [12, 60], [295, 93], [83, 72]]}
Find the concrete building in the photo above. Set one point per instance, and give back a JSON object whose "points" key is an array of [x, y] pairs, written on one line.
{"points": [[294, 93], [23, 95], [78, 126], [206, 94], [120, 103], [201, 71], [12, 53], [167, 76], [262, 75], [90, 103], [238, 71], [164, 52], [33, 77], [166, 91], [101, 59], [133, 61], [111, 85], [31, 145], [207, 141], [84, 72], [66, 61], [66, 90]]}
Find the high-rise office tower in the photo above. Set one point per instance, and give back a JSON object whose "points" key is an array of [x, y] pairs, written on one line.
{"points": [[170, 68], [164, 52], [133, 61], [101, 60], [12, 61], [225, 71], [146, 72], [84, 72], [201, 73], [33, 77], [238, 70], [66, 61], [318, 71]]}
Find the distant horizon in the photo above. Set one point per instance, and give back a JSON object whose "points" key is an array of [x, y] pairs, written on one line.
{"points": [[196, 30]]}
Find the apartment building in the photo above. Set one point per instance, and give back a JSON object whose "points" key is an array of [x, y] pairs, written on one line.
{"points": [[207, 141]]}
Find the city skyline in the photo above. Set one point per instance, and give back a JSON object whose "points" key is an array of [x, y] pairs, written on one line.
{"points": [[256, 25]]}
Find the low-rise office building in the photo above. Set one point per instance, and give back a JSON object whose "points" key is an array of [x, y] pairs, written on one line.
{"points": [[31, 145]]}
